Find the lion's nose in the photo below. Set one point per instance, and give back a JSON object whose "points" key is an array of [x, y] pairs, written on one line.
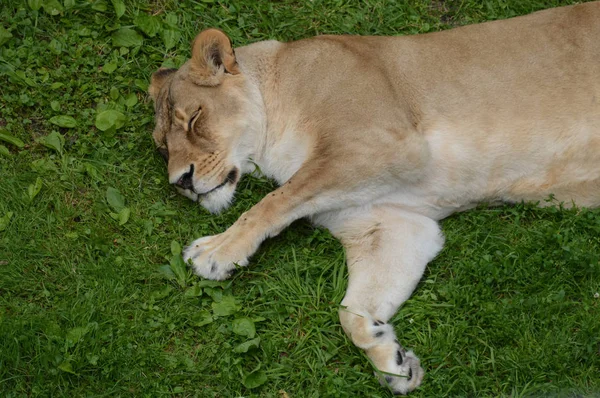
{"points": [[185, 181]]}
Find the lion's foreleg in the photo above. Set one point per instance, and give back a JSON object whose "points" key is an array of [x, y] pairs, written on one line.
{"points": [[310, 191]]}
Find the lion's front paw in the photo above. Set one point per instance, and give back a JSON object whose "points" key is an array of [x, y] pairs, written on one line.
{"points": [[213, 258], [403, 372]]}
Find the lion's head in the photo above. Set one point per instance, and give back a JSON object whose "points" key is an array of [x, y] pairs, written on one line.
{"points": [[207, 113]]}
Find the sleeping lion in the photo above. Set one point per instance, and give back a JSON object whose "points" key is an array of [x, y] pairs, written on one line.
{"points": [[377, 139]]}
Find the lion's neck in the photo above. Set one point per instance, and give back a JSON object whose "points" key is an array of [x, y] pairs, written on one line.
{"points": [[280, 148]]}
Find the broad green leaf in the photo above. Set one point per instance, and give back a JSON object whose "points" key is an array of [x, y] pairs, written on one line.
{"points": [[64, 121], [84, 31], [165, 270], [126, 37], [255, 379], [141, 84], [55, 46], [21, 75], [244, 327], [115, 199], [165, 213], [179, 269], [4, 136], [209, 283], [66, 366], [55, 105], [52, 7], [34, 4], [92, 171], [148, 24], [225, 307], [53, 141], [124, 215], [43, 165], [100, 5], [5, 220], [119, 7], [34, 189], [170, 38], [148, 228], [5, 35], [161, 293], [4, 151], [171, 20], [201, 318], [244, 347], [175, 248], [131, 100], [109, 67], [92, 359], [193, 291], [69, 3], [75, 335], [114, 93], [215, 294], [110, 118]]}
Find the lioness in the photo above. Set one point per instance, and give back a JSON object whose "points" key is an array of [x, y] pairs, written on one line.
{"points": [[378, 138]]}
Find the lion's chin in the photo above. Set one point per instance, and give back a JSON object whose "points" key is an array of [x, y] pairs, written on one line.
{"points": [[218, 200], [215, 201]]}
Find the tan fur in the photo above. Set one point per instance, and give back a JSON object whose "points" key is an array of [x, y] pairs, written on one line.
{"points": [[377, 138]]}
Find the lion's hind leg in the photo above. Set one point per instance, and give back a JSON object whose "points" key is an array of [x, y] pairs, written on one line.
{"points": [[387, 251]]}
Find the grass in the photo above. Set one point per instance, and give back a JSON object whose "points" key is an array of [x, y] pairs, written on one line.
{"points": [[93, 299]]}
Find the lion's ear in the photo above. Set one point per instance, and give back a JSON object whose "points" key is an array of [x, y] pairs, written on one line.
{"points": [[158, 80], [211, 53]]}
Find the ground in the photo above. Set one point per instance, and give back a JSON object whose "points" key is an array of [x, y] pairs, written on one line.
{"points": [[94, 297]]}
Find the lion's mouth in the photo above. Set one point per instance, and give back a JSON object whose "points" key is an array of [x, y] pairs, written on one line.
{"points": [[230, 179], [215, 199]]}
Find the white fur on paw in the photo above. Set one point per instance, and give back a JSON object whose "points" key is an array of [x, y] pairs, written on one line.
{"points": [[210, 259], [381, 332], [403, 372]]}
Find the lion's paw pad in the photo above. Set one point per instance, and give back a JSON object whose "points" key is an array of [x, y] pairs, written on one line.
{"points": [[403, 373]]}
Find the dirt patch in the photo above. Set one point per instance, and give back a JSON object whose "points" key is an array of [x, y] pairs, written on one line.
{"points": [[37, 127]]}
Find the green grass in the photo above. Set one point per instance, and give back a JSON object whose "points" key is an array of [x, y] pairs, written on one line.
{"points": [[89, 305]]}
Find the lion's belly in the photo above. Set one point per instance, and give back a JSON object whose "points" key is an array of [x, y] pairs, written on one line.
{"points": [[505, 167]]}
